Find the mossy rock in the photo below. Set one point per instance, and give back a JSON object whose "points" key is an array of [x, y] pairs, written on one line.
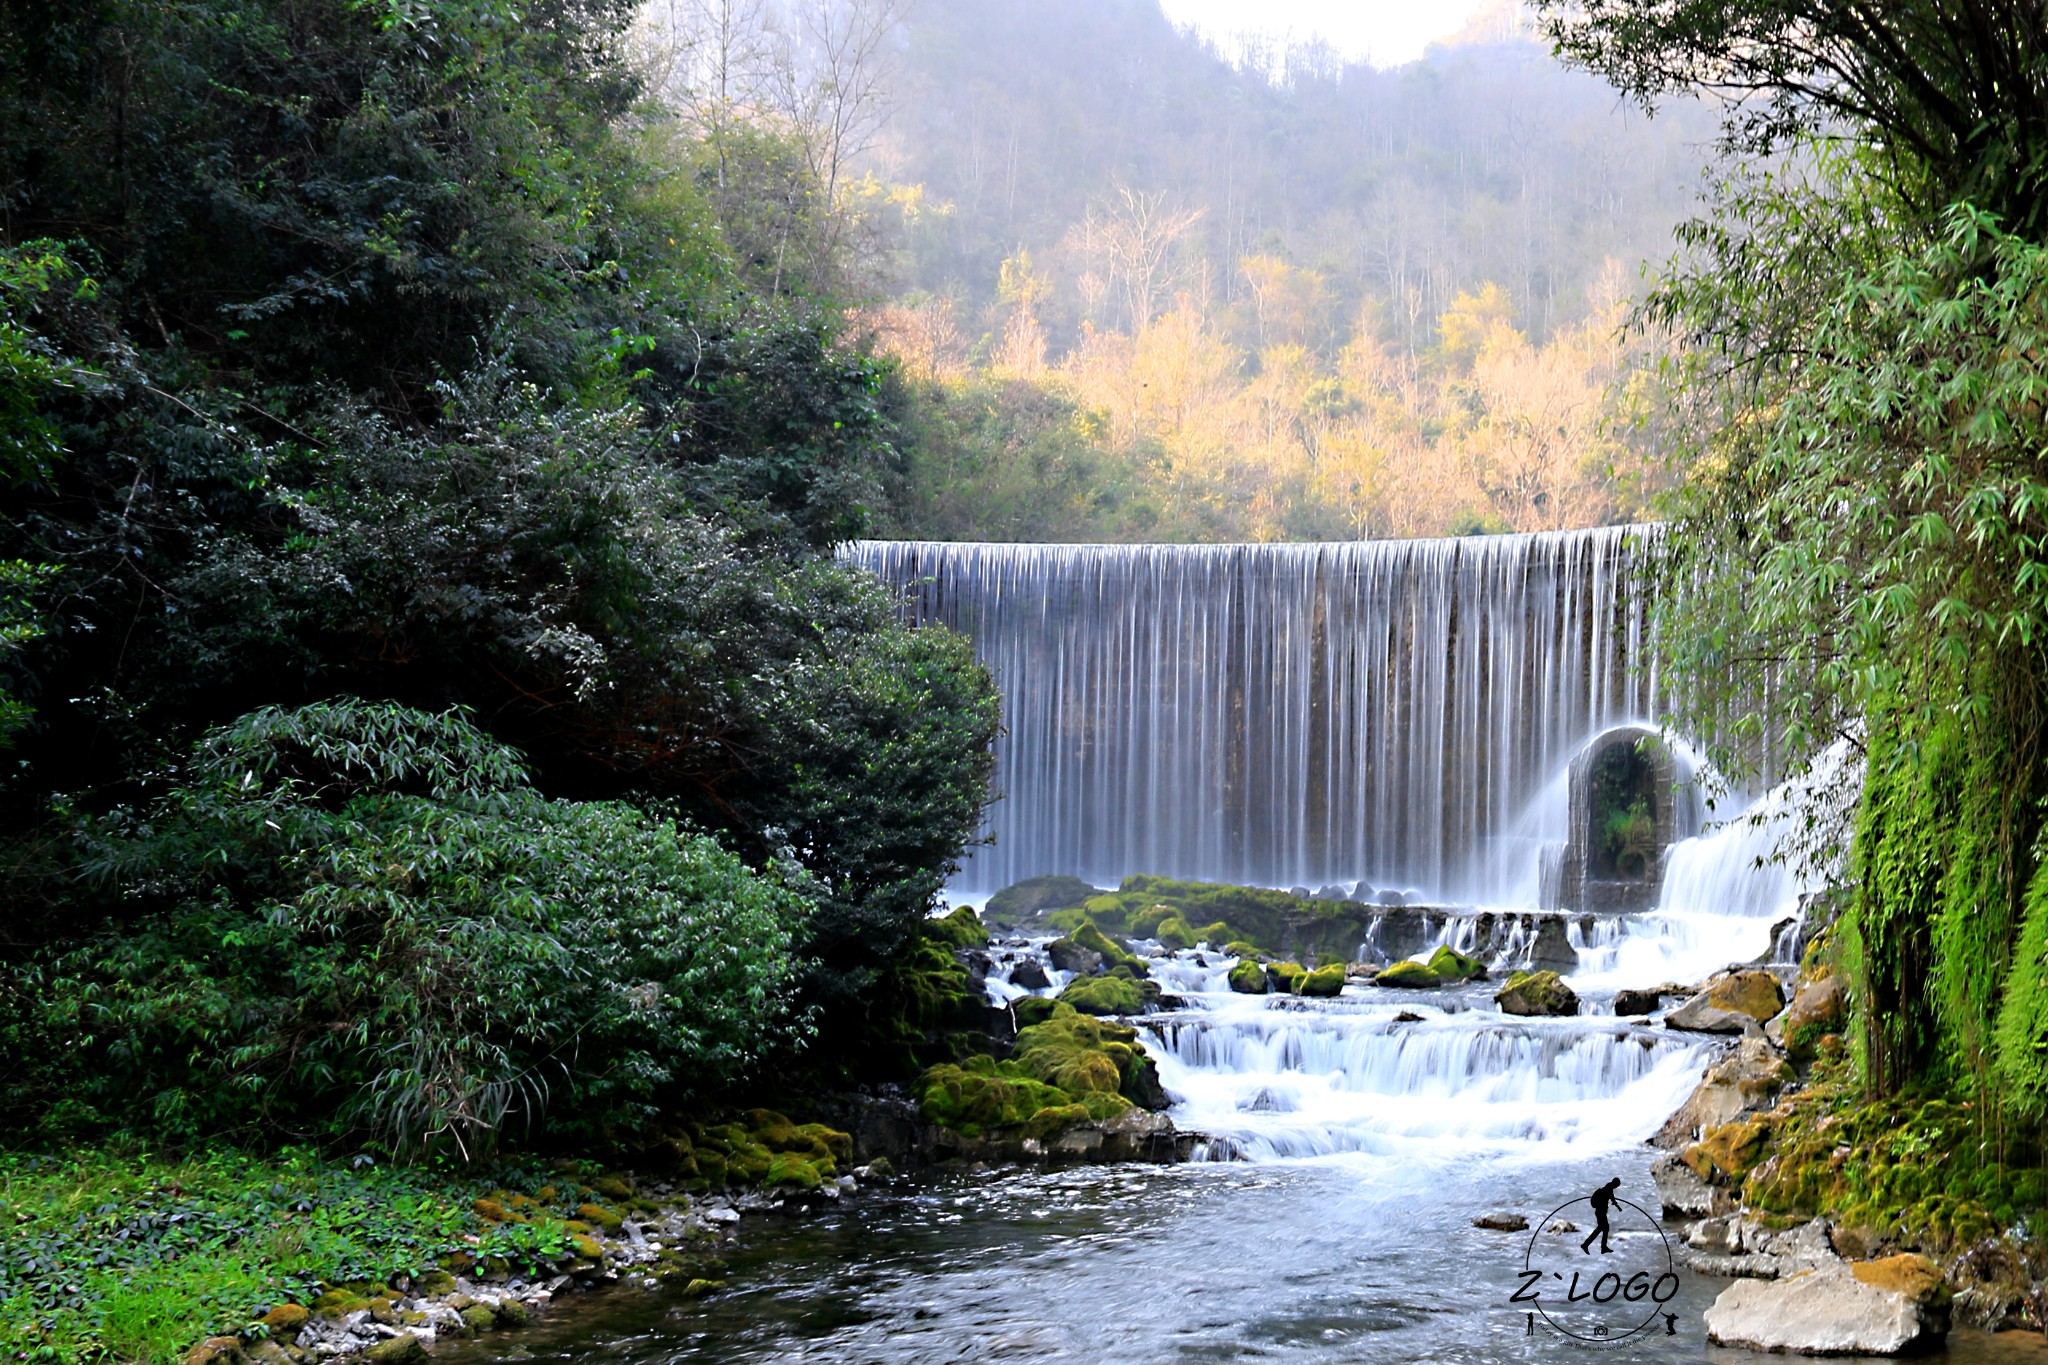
{"points": [[1174, 933], [1452, 965], [963, 928], [599, 1216], [1036, 1009], [1727, 1153], [1037, 896], [1409, 975], [1104, 995], [1323, 981], [586, 1246], [1536, 994], [1215, 933], [1104, 910], [479, 1318], [1249, 978], [1115, 952], [981, 1095], [612, 1187], [1285, 976], [513, 1313], [698, 1288], [403, 1349], [285, 1320], [1146, 921], [340, 1301], [791, 1171], [1238, 948], [1076, 1054], [491, 1211]]}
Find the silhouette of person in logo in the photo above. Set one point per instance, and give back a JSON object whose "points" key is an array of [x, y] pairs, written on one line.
{"points": [[1602, 1200]]}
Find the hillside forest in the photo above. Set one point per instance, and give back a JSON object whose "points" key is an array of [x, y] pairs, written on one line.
{"points": [[1145, 291]]}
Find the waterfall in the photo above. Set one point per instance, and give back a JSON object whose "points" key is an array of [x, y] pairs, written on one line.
{"points": [[1387, 712]]}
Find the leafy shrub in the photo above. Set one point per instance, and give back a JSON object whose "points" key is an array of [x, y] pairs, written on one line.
{"points": [[359, 917]]}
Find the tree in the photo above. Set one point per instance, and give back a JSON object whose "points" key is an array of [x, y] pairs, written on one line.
{"points": [[1952, 97]]}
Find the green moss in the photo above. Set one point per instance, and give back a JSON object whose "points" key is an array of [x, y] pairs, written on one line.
{"points": [[1214, 933], [1412, 975], [1115, 953], [1324, 981], [1109, 910], [1104, 995], [1037, 896], [1241, 949], [1145, 921], [1452, 965], [1174, 933], [1285, 976], [1036, 1009], [963, 928], [1249, 978], [599, 1216]]}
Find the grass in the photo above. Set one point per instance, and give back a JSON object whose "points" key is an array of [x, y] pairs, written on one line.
{"points": [[123, 1255]]}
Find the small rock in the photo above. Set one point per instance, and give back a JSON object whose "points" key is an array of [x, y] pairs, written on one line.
{"points": [[216, 1351], [722, 1215], [1407, 1017], [1636, 1002], [1030, 976], [1562, 1226], [1502, 1222]]}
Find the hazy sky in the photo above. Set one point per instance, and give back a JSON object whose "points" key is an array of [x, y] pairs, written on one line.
{"points": [[1384, 32]]}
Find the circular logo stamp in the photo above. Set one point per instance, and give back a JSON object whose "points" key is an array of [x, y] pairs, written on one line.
{"points": [[1598, 1271]]}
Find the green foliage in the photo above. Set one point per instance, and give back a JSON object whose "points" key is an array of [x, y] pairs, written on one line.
{"points": [[2022, 1022], [358, 918], [1907, 78], [129, 1255]]}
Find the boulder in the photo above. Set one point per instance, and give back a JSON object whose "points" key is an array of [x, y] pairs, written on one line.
{"points": [[1036, 896], [1743, 1082], [1817, 1009], [1029, 975], [403, 1349], [1104, 995], [1360, 971], [1068, 956], [1727, 1153], [1992, 1286], [1323, 981], [1452, 965], [1739, 1002], [1636, 1002], [1536, 993], [1285, 976], [1877, 1308], [1409, 975], [1552, 950], [1682, 1192], [1249, 978]]}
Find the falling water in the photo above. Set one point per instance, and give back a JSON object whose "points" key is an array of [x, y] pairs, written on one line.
{"points": [[1287, 714]]}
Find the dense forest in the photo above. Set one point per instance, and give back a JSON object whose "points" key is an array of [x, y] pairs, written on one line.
{"points": [[1146, 292], [432, 709], [1856, 551]]}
